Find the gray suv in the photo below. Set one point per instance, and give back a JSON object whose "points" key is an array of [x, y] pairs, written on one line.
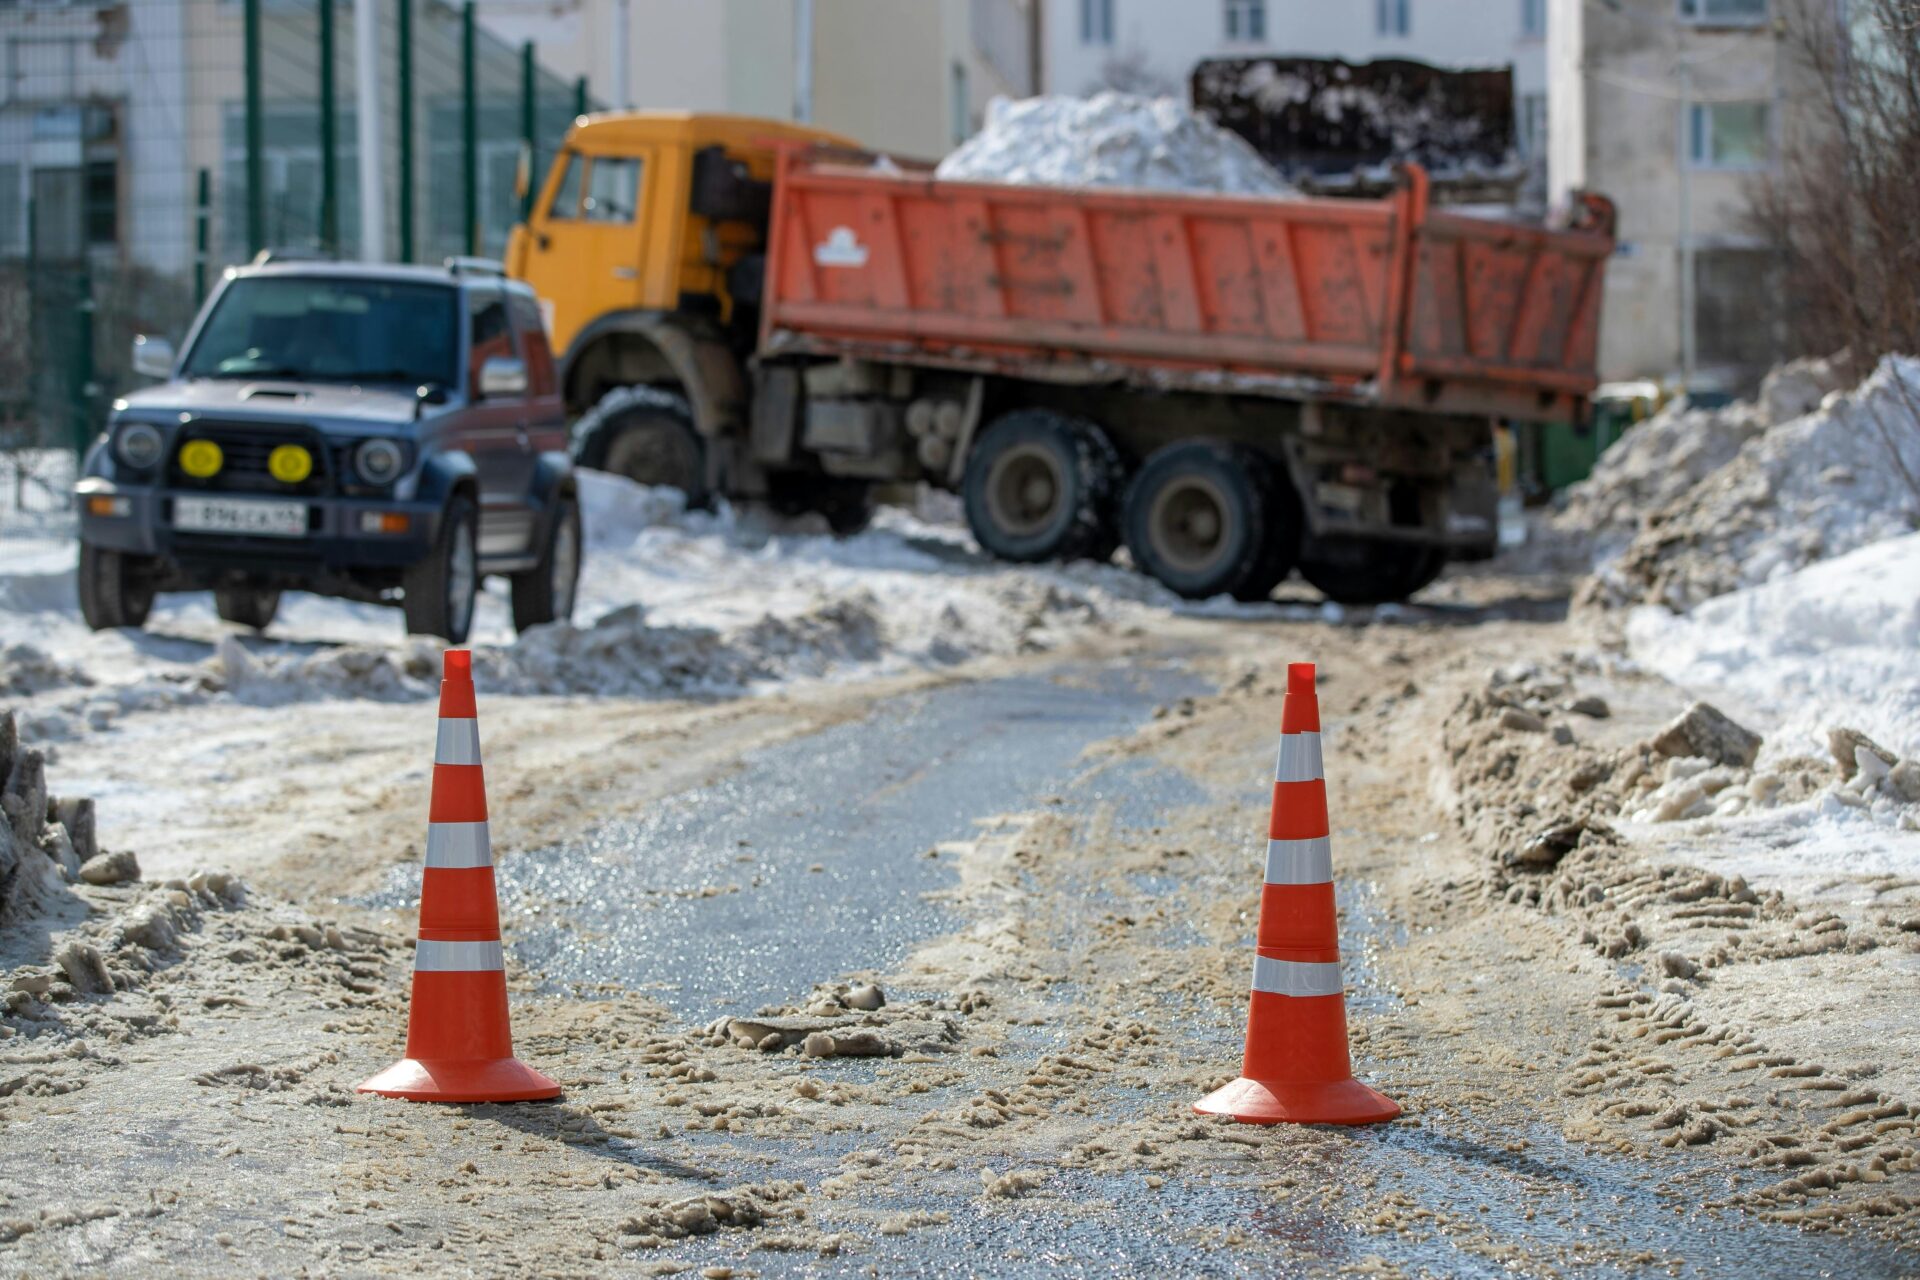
{"points": [[379, 433]]}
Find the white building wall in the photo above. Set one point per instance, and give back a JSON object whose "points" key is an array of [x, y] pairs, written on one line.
{"points": [[1167, 37]]}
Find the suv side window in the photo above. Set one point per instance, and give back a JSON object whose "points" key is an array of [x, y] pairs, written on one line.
{"points": [[533, 343], [489, 332]]}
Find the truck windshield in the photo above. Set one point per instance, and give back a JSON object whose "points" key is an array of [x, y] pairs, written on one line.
{"points": [[320, 329]]}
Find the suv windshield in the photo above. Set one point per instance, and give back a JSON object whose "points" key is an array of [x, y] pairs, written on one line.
{"points": [[326, 329]]}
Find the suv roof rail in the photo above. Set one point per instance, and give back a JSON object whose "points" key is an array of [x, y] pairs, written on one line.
{"points": [[467, 265], [289, 254]]}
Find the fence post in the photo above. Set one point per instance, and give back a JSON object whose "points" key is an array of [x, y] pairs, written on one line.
{"points": [[469, 129], [202, 217], [528, 86], [405, 90], [256, 176], [329, 192]]}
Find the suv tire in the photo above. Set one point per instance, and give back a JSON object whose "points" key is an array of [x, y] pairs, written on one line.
{"points": [[248, 606], [116, 589], [648, 436], [1040, 485], [545, 592], [438, 592], [1206, 518]]}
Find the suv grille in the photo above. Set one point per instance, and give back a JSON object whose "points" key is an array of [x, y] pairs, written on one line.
{"points": [[245, 449]]}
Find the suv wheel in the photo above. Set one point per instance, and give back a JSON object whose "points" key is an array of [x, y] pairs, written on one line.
{"points": [[438, 592], [545, 592], [248, 606], [116, 589], [647, 435]]}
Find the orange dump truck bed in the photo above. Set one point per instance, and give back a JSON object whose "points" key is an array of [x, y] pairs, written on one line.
{"points": [[1386, 301]]}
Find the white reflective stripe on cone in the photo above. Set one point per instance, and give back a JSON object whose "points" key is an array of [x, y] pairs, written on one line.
{"points": [[1288, 861], [458, 845], [458, 743], [458, 957], [1292, 977], [1299, 758]]}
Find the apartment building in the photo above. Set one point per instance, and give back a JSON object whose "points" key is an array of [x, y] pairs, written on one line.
{"points": [[1673, 108], [910, 76]]}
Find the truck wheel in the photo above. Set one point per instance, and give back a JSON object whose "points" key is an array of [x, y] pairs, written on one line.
{"points": [[116, 589], [437, 593], [1206, 518], [646, 435], [248, 606], [847, 505], [545, 592], [1366, 571], [1042, 486]]}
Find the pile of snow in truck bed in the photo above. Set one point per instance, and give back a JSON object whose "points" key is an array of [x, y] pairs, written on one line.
{"points": [[1110, 140]]}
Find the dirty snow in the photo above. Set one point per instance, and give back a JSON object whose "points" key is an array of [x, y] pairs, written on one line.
{"points": [[1835, 644], [1812, 488], [1110, 140]]}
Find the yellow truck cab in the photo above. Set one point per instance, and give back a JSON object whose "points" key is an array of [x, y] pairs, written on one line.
{"points": [[646, 249]]}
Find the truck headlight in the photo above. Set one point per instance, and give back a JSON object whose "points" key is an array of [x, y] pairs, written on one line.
{"points": [[138, 445], [379, 461]]}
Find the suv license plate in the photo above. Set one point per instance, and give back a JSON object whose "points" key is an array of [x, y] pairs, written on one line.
{"points": [[220, 515]]}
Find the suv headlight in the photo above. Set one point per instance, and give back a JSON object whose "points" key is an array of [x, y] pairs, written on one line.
{"points": [[138, 445], [379, 461]]}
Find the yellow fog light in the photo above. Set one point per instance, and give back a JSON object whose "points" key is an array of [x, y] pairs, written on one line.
{"points": [[290, 464], [201, 459]]}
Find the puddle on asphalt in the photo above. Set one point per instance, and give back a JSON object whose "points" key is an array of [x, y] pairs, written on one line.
{"points": [[710, 901]]}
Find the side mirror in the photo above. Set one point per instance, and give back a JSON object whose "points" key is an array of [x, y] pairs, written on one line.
{"points": [[152, 357], [502, 376]]}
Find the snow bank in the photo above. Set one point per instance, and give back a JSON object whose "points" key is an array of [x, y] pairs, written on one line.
{"points": [[1110, 140], [1836, 644], [1819, 486]]}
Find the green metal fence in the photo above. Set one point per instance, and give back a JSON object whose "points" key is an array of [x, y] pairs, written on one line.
{"points": [[147, 145]]}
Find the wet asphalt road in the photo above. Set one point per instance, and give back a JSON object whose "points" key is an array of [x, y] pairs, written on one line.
{"points": [[865, 801]]}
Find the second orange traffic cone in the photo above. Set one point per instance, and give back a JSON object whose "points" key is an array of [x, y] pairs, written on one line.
{"points": [[459, 1044], [1296, 1067]]}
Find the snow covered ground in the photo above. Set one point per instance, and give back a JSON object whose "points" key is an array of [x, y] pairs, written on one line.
{"points": [[1834, 645]]}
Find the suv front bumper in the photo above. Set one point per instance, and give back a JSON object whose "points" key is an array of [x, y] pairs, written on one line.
{"points": [[335, 543]]}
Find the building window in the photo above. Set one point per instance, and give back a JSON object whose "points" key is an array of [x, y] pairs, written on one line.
{"points": [[1392, 17], [102, 196], [1532, 111], [960, 118], [1096, 21], [1728, 135], [1724, 13], [1247, 20], [1533, 19]]}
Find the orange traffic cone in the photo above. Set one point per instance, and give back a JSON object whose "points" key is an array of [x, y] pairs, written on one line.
{"points": [[459, 1046], [1296, 1067]]}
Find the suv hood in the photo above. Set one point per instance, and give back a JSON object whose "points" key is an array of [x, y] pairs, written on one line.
{"points": [[321, 404]]}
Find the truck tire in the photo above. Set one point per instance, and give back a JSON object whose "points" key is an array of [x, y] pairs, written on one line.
{"points": [[545, 592], [1040, 485], [116, 589], [1371, 571], [1207, 519], [648, 436], [845, 504], [437, 592], [248, 606]]}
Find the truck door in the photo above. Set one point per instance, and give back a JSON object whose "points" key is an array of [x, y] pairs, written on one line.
{"points": [[584, 241], [494, 429]]}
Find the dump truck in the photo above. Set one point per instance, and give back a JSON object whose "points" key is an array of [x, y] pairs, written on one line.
{"points": [[1232, 387]]}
